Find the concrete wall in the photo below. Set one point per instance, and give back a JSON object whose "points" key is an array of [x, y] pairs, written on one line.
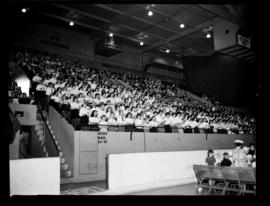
{"points": [[14, 147], [186, 142], [39, 176], [29, 113], [130, 172], [65, 135], [90, 156]]}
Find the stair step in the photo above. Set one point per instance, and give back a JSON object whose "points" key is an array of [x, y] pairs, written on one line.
{"points": [[38, 127], [63, 160], [44, 149], [66, 174], [41, 138], [64, 167], [40, 132], [39, 123], [60, 153]]}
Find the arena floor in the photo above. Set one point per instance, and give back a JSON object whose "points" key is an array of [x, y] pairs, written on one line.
{"points": [[91, 187]]}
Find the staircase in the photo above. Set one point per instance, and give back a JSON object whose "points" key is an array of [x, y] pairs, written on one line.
{"points": [[65, 171], [39, 127]]}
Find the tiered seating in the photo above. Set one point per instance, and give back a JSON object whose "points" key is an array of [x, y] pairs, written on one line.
{"points": [[151, 99]]}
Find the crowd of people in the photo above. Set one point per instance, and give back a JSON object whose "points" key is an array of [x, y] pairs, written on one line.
{"points": [[90, 95]]}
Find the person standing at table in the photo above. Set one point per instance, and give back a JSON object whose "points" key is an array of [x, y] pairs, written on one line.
{"points": [[238, 155]]}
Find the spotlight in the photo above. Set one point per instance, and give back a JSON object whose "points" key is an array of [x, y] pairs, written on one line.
{"points": [[182, 26], [71, 23], [141, 43], [111, 35], [208, 36], [24, 10], [150, 13], [167, 51]]}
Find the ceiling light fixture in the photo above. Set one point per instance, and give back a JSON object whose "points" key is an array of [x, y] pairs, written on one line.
{"points": [[208, 36], [24, 10], [167, 51], [141, 43], [150, 13], [111, 34], [71, 23], [182, 26]]}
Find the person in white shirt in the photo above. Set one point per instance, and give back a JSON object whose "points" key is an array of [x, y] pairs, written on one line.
{"points": [[37, 78], [97, 98], [133, 112], [84, 110], [167, 119], [49, 90], [56, 97], [177, 121], [93, 85], [103, 97], [153, 122], [160, 118], [139, 122], [146, 123], [41, 86], [120, 118], [101, 110], [203, 124], [103, 120], [112, 119], [52, 80], [88, 97], [128, 120], [93, 119], [108, 111], [74, 104], [186, 123]]}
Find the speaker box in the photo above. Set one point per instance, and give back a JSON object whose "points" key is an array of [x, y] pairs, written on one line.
{"points": [[225, 34], [230, 40]]}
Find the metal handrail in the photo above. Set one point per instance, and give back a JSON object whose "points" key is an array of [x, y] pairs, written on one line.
{"points": [[44, 121]]}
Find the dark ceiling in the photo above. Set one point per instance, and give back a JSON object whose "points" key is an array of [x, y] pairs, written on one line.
{"points": [[131, 24]]}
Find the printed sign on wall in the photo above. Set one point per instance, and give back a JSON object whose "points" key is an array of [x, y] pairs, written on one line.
{"points": [[102, 136]]}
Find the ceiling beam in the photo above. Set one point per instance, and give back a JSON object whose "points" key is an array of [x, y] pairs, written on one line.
{"points": [[81, 12], [177, 36], [135, 17], [103, 19], [169, 16], [88, 26], [67, 20], [117, 19], [140, 31], [214, 9]]}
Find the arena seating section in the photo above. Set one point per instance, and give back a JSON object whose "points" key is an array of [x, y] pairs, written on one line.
{"points": [[132, 102]]}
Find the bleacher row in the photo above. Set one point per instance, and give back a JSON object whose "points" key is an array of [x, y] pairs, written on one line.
{"points": [[239, 180], [81, 123]]}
